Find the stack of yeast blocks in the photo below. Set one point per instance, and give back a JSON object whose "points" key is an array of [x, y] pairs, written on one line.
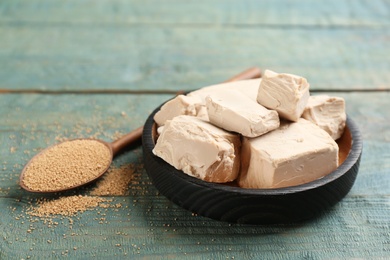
{"points": [[263, 133]]}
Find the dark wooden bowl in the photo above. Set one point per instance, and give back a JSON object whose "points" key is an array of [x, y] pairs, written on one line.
{"points": [[228, 202]]}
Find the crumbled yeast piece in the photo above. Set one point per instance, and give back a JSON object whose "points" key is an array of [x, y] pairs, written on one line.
{"points": [[328, 113], [199, 149], [194, 103], [285, 93], [293, 154]]}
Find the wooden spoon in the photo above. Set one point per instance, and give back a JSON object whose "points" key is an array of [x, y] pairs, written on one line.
{"points": [[54, 183]]}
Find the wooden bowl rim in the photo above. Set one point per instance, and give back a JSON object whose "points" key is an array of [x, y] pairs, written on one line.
{"points": [[351, 159]]}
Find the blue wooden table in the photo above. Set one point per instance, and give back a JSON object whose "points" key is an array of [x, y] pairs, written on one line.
{"points": [[99, 68]]}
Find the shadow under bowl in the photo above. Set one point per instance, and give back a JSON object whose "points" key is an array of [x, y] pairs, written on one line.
{"points": [[230, 203]]}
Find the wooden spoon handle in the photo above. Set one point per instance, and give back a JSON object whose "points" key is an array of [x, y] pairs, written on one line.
{"points": [[135, 135], [126, 140]]}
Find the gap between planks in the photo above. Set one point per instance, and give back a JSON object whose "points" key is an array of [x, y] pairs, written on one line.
{"points": [[90, 91], [259, 25]]}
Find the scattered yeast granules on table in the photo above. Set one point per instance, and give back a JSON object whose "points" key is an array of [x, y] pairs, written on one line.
{"points": [[115, 181], [66, 165], [66, 206]]}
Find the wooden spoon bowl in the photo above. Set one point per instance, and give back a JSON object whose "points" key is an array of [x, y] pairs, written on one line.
{"points": [[54, 183]]}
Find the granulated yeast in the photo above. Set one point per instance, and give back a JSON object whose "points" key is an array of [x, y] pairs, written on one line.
{"points": [[115, 181], [66, 206], [66, 165]]}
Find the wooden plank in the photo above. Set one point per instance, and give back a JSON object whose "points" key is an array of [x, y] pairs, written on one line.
{"points": [[66, 57], [148, 225], [369, 111], [151, 227], [199, 13]]}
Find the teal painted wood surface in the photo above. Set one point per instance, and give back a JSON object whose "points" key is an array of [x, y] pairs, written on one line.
{"points": [[219, 12], [149, 46], [152, 46], [150, 226]]}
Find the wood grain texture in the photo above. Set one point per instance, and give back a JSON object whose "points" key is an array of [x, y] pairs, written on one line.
{"points": [[138, 46], [148, 225], [146, 46], [200, 13]]}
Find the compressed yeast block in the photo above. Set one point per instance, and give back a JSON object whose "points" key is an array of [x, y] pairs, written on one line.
{"points": [[234, 111], [199, 149], [293, 154], [328, 113], [286, 93]]}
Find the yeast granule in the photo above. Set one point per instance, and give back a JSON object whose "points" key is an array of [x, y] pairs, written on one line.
{"points": [[66, 165], [66, 206], [115, 181]]}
